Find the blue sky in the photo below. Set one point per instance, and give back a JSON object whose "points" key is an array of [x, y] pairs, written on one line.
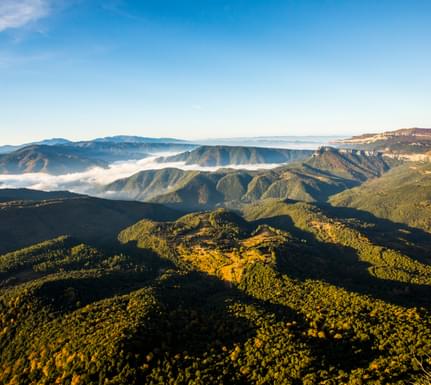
{"points": [[195, 69]]}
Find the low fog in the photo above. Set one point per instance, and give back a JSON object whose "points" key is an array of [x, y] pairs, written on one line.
{"points": [[88, 181]]}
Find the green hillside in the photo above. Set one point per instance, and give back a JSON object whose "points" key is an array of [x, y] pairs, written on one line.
{"points": [[296, 293], [402, 195], [350, 164], [219, 156], [327, 172], [149, 184]]}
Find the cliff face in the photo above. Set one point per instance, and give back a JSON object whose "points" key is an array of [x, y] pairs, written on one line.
{"points": [[347, 151], [422, 133], [403, 143]]}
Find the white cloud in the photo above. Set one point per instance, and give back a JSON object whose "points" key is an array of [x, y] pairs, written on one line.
{"points": [[17, 13], [87, 182]]}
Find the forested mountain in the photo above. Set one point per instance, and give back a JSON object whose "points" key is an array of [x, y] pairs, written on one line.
{"points": [[112, 140], [48, 159], [350, 164], [402, 195], [28, 217], [284, 292], [218, 156], [327, 172], [80, 156], [148, 184]]}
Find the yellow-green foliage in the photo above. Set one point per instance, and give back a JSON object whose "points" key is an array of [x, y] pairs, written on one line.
{"points": [[312, 302]]}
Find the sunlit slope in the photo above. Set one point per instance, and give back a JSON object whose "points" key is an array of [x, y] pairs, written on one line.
{"points": [[402, 195], [219, 243]]}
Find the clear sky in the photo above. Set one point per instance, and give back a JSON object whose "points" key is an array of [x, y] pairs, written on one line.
{"points": [[212, 68]]}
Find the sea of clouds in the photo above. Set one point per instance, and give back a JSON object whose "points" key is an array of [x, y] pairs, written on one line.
{"points": [[90, 181]]}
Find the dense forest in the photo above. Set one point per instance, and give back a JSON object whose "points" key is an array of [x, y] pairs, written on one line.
{"points": [[281, 292]]}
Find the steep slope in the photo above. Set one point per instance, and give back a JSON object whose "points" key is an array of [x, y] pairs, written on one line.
{"points": [[216, 156], [197, 193], [305, 184], [401, 195], [23, 223], [350, 164], [48, 159], [147, 184]]}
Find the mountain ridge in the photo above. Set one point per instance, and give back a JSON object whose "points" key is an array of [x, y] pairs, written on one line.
{"points": [[218, 156], [328, 172]]}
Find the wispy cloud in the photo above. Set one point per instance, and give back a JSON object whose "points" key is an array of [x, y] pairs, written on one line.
{"points": [[118, 8], [18, 13]]}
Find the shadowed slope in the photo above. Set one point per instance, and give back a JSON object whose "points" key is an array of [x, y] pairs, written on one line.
{"points": [[23, 223]]}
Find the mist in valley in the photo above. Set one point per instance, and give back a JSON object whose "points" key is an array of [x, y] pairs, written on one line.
{"points": [[91, 180]]}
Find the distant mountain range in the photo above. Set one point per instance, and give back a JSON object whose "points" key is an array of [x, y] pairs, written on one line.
{"points": [[75, 157], [48, 142], [62, 158], [49, 159], [109, 139], [138, 139]]}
